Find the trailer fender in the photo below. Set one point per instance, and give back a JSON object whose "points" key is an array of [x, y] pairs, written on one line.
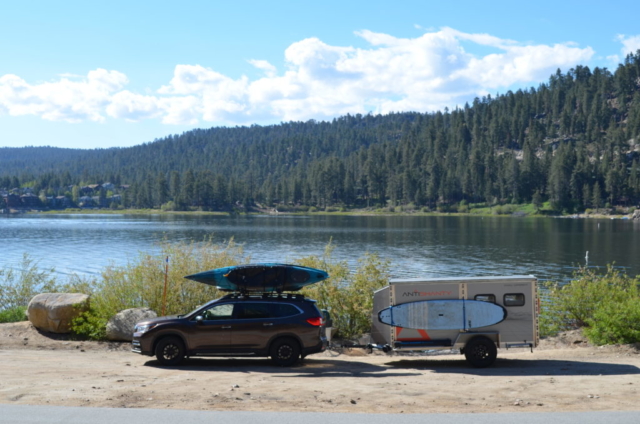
{"points": [[463, 338]]}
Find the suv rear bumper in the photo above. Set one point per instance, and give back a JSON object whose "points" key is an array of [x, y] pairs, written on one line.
{"points": [[320, 347]]}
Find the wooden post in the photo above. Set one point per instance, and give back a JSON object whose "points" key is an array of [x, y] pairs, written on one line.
{"points": [[164, 292]]}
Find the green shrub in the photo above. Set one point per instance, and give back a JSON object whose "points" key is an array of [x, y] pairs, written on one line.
{"points": [[15, 314], [606, 306], [348, 296], [169, 206], [90, 325], [615, 322], [141, 283], [19, 286]]}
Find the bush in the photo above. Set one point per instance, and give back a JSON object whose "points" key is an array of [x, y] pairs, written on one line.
{"points": [[19, 286], [15, 314], [463, 207], [504, 209], [141, 283], [348, 296], [606, 306], [169, 206]]}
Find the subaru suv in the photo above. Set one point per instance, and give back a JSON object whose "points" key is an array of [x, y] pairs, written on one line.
{"points": [[284, 327]]}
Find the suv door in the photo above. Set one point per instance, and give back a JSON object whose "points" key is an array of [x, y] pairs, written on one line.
{"points": [[213, 333], [256, 323], [253, 326]]}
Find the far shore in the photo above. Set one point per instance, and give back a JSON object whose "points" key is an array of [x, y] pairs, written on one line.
{"points": [[480, 212]]}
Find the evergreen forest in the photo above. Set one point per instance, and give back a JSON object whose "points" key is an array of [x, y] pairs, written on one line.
{"points": [[572, 141]]}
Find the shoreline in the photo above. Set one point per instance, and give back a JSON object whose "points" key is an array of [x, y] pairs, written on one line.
{"points": [[357, 212]]}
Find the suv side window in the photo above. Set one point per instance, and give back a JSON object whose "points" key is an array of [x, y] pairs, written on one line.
{"points": [[216, 312], [252, 310], [282, 310]]}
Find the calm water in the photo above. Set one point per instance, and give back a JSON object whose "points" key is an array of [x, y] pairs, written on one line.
{"points": [[416, 246]]}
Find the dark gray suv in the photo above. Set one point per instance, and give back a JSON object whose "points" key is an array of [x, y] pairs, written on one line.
{"points": [[284, 327]]}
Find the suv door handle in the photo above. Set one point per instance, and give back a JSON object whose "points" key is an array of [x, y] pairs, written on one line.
{"points": [[267, 324], [225, 327]]}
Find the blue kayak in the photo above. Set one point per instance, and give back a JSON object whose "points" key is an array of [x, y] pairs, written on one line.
{"points": [[265, 277]]}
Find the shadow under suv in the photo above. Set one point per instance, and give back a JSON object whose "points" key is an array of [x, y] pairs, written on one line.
{"points": [[284, 327]]}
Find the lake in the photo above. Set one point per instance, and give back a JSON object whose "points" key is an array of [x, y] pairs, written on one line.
{"points": [[417, 246]]}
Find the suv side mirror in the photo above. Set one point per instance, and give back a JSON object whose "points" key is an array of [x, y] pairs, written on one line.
{"points": [[199, 319]]}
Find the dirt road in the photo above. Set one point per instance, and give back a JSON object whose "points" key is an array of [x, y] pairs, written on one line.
{"points": [[563, 375]]}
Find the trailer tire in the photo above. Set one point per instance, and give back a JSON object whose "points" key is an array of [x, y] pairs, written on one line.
{"points": [[480, 352]]}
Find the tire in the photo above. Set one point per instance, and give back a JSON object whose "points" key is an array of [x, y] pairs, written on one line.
{"points": [[480, 352], [285, 352], [170, 351]]}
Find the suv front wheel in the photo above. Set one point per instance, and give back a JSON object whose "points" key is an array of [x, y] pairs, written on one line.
{"points": [[170, 351], [285, 352]]}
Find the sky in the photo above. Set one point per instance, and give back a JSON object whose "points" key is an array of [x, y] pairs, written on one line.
{"points": [[81, 74]]}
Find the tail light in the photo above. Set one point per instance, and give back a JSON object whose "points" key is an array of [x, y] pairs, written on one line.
{"points": [[316, 321]]}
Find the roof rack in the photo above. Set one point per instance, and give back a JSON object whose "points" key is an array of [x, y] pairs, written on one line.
{"points": [[263, 295]]}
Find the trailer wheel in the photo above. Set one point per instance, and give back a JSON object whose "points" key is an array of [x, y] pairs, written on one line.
{"points": [[480, 352]]}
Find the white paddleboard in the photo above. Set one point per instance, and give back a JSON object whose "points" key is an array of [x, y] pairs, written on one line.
{"points": [[454, 314]]}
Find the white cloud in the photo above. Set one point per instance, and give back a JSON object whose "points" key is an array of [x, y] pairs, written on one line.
{"points": [[133, 107], [265, 66], [62, 100], [319, 81], [629, 44]]}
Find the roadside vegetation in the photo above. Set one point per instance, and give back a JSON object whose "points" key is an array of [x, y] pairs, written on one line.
{"points": [[606, 306]]}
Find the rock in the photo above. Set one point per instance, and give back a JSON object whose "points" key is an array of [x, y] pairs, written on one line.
{"points": [[54, 312], [636, 214], [120, 326]]}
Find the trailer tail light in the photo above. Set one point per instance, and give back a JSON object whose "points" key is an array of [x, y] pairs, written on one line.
{"points": [[316, 321]]}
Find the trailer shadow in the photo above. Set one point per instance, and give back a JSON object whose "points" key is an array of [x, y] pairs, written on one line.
{"points": [[307, 368], [517, 367]]}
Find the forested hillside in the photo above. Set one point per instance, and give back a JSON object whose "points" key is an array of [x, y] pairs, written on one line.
{"points": [[572, 141]]}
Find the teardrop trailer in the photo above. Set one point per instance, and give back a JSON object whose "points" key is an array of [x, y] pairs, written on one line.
{"points": [[476, 315]]}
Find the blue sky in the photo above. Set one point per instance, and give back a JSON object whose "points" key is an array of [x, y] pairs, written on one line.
{"points": [[119, 73]]}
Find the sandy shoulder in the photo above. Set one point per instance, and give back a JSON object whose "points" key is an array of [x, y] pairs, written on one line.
{"points": [[564, 375]]}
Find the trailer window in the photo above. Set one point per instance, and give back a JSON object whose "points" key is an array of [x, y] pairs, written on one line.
{"points": [[485, 298], [514, 299]]}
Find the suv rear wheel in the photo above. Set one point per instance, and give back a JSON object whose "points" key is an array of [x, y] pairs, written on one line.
{"points": [[285, 352], [170, 351]]}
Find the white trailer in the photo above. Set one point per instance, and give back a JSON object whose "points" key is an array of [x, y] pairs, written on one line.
{"points": [[448, 307]]}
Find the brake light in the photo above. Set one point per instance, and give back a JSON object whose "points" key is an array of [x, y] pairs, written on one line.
{"points": [[316, 321]]}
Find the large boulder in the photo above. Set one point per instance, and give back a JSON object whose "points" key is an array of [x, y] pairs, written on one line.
{"points": [[636, 214], [54, 312], [120, 326]]}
